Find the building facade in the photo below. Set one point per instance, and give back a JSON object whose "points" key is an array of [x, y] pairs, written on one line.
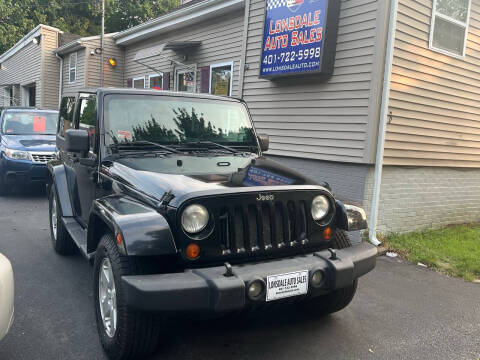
{"points": [[29, 70]]}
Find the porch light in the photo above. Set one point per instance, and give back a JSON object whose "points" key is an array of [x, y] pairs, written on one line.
{"points": [[112, 62]]}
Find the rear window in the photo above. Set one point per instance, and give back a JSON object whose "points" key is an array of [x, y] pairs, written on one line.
{"points": [[29, 123]]}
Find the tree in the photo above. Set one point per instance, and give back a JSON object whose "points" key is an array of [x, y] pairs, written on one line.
{"points": [[124, 14], [82, 17]]}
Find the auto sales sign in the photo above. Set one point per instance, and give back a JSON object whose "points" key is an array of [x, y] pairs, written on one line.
{"points": [[299, 37]]}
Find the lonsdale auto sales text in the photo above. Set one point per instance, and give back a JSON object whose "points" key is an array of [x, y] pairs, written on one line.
{"points": [[296, 26]]}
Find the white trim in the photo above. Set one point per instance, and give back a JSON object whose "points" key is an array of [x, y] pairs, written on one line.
{"points": [[213, 66], [453, 21], [26, 40], [183, 70], [138, 78], [155, 75], [70, 68], [177, 18]]}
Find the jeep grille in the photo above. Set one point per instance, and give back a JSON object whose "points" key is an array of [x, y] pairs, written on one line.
{"points": [[245, 226]]}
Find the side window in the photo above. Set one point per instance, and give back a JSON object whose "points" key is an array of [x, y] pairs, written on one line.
{"points": [[449, 27], [66, 115], [88, 118], [72, 68]]}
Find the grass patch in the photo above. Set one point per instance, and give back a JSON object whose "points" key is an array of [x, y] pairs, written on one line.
{"points": [[454, 250]]}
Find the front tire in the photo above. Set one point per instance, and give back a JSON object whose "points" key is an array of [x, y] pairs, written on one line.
{"points": [[337, 299], [61, 240], [124, 332]]}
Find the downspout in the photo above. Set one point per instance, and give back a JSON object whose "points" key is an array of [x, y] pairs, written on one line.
{"points": [[382, 123], [60, 87]]}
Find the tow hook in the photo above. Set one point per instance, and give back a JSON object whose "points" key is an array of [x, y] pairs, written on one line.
{"points": [[333, 254], [229, 270]]}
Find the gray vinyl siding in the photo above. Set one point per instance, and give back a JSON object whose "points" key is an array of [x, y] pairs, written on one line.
{"points": [[220, 42], [112, 76], [23, 68], [80, 78], [50, 70], [330, 120]]}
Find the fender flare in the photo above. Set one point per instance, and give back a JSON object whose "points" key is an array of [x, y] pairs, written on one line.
{"points": [[144, 231], [58, 177], [350, 217]]}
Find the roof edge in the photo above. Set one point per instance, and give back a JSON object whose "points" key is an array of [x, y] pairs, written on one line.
{"points": [[175, 17], [20, 44], [78, 43]]}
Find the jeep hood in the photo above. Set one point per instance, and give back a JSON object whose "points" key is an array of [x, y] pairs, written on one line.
{"points": [[186, 175], [30, 142]]}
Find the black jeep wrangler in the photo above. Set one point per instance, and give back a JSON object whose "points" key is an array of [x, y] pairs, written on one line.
{"points": [[171, 198]]}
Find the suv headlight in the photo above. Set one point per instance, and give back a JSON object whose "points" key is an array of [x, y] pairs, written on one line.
{"points": [[194, 218], [17, 154], [320, 207]]}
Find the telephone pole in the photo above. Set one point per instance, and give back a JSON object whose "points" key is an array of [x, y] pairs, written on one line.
{"points": [[102, 43]]}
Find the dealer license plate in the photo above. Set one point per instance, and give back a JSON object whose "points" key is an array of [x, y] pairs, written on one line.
{"points": [[285, 285]]}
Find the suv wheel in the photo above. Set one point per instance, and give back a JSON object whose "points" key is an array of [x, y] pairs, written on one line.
{"points": [[124, 332], [62, 243], [338, 299]]}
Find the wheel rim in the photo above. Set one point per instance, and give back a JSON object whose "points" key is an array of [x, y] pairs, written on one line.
{"points": [[54, 218], [107, 297]]}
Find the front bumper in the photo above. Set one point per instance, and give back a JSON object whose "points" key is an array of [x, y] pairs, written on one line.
{"points": [[208, 289], [22, 171]]}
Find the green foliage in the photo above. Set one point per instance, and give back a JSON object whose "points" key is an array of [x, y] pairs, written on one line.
{"points": [[454, 250], [82, 17]]}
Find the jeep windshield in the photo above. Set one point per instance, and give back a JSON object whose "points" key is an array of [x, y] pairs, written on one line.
{"points": [[29, 123], [137, 121]]}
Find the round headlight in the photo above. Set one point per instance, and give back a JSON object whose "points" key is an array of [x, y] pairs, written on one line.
{"points": [[194, 218], [320, 207]]}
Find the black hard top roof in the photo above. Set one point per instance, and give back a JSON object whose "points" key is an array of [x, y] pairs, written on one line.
{"points": [[127, 91]]}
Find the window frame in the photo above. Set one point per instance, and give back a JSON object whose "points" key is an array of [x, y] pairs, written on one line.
{"points": [[184, 70], [155, 75], [466, 25], [138, 78], [76, 119], [218, 65], [60, 122], [70, 68]]}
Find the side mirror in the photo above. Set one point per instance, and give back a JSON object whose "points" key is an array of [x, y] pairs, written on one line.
{"points": [[264, 141], [77, 140]]}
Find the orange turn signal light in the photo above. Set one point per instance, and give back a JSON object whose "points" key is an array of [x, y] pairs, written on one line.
{"points": [[327, 233], [192, 251], [119, 239]]}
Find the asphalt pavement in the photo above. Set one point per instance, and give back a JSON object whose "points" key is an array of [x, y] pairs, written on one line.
{"points": [[401, 311]]}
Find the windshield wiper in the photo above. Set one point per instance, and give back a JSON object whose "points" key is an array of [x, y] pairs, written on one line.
{"points": [[132, 144], [225, 147]]}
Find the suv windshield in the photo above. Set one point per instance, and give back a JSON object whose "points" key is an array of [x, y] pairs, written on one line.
{"points": [[176, 120], [29, 123]]}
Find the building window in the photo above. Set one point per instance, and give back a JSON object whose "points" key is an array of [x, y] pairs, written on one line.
{"points": [[155, 81], [449, 30], [138, 83], [221, 79], [72, 68], [185, 81]]}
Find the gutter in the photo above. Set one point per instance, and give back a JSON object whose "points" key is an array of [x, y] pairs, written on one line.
{"points": [[60, 86], [382, 124]]}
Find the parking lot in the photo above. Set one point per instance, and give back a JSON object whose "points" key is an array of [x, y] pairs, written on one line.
{"points": [[401, 311]]}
